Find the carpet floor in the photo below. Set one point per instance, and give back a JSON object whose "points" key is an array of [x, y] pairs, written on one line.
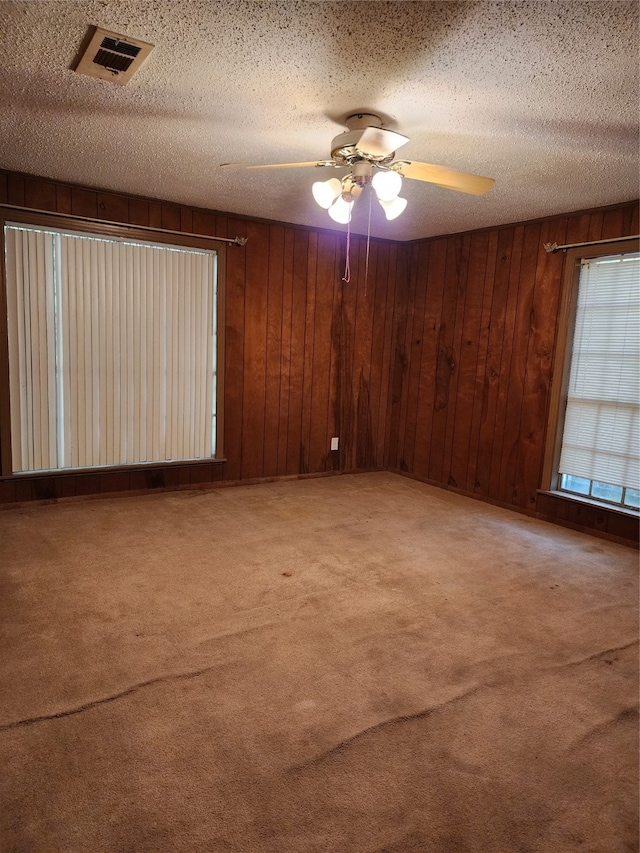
{"points": [[354, 664]]}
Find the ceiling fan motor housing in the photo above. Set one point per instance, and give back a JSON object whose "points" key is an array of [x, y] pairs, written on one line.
{"points": [[344, 149], [344, 146]]}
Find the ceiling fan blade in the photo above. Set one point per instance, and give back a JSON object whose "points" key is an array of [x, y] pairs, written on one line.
{"points": [[443, 177], [277, 165], [379, 142]]}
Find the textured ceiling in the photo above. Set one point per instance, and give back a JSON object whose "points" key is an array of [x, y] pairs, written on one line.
{"points": [[541, 96]]}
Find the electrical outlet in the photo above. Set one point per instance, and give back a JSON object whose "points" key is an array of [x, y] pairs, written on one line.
{"points": [[335, 441]]}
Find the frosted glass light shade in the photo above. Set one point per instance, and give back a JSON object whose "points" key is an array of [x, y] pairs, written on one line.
{"points": [[387, 185], [326, 192], [393, 209], [340, 210]]}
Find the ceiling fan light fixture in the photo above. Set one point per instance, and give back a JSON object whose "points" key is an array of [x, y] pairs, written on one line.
{"points": [[393, 209], [340, 210], [387, 185], [326, 192]]}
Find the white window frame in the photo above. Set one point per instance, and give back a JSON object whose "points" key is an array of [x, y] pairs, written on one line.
{"points": [[122, 233], [562, 366]]}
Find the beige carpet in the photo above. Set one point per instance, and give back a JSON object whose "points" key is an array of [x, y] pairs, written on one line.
{"points": [[354, 664]]}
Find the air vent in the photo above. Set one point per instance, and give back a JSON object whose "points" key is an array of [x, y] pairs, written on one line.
{"points": [[110, 56]]}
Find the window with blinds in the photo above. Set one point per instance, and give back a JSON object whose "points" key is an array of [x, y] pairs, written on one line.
{"points": [[112, 350], [600, 454]]}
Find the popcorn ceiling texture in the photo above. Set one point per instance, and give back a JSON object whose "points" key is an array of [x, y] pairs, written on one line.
{"points": [[541, 96]]}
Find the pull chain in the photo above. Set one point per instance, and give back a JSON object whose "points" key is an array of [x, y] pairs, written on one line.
{"points": [[366, 263], [347, 264]]}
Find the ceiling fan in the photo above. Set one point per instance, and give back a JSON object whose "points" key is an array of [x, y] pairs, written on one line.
{"points": [[368, 150]]}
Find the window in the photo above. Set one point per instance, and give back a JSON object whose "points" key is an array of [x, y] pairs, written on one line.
{"points": [[597, 451], [112, 350]]}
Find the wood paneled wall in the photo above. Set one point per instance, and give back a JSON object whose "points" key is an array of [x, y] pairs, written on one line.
{"points": [[436, 363], [473, 344], [306, 353]]}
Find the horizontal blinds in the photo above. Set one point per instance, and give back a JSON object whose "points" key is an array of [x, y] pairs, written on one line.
{"points": [[601, 438], [131, 360]]}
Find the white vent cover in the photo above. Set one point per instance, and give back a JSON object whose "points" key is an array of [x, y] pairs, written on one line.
{"points": [[114, 57]]}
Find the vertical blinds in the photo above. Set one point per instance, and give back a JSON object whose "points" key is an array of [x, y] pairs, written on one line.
{"points": [[112, 349], [601, 433]]}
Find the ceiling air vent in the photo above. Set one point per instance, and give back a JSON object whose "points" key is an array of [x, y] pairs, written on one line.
{"points": [[113, 57]]}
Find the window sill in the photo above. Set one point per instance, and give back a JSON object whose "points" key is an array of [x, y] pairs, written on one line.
{"points": [[588, 516], [585, 501]]}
